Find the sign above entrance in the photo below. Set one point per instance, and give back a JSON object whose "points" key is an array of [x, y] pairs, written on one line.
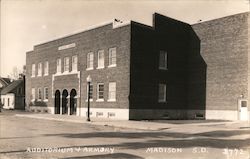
{"points": [[67, 46]]}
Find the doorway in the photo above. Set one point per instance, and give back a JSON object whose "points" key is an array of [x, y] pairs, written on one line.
{"points": [[57, 102], [64, 102], [73, 102], [243, 110]]}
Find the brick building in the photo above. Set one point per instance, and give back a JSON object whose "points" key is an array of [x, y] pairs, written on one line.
{"points": [[171, 70]]}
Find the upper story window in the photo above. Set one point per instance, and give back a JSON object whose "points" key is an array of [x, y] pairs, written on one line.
{"points": [[46, 68], [46, 93], [39, 71], [66, 64], [90, 61], [112, 57], [163, 59], [100, 92], [74, 63], [33, 73], [112, 91], [162, 93], [100, 59], [33, 94], [58, 66]]}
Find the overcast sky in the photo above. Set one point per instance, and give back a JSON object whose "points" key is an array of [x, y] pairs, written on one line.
{"points": [[25, 23]]}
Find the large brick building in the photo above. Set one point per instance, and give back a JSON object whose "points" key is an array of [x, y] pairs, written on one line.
{"points": [[171, 70]]}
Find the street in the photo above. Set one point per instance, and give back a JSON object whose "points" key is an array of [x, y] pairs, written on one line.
{"points": [[22, 137]]}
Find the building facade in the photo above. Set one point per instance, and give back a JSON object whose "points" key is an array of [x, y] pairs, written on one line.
{"points": [[165, 71]]}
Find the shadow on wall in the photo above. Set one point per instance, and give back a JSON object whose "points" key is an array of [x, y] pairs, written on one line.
{"points": [[197, 74]]}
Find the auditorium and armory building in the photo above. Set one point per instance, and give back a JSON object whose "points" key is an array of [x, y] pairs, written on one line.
{"points": [[170, 70]]}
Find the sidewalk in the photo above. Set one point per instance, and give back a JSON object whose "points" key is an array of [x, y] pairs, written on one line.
{"points": [[140, 125]]}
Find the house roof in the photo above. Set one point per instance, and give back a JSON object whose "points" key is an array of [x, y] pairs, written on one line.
{"points": [[11, 87], [5, 81]]}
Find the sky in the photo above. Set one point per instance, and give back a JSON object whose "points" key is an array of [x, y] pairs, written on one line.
{"points": [[25, 23]]}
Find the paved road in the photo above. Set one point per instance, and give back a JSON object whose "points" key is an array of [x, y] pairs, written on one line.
{"points": [[36, 138]]}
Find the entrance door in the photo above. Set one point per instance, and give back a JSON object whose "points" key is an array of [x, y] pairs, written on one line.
{"points": [[64, 102], [57, 102], [73, 102], [243, 110]]}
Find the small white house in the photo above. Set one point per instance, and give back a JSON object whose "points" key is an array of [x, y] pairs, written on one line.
{"points": [[12, 96], [8, 101]]}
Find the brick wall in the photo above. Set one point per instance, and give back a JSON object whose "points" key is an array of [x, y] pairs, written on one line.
{"points": [[101, 38], [224, 48], [166, 35]]}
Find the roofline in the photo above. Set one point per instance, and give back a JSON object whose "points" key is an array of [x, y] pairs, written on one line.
{"points": [[197, 23], [106, 23]]}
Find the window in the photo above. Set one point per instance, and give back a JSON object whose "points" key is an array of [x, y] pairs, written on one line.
{"points": [[100, 59], [58, 66], [66, 64], [19, 90], [39, 94], [74, 63], [90, 61], [100, 92], [112, 91], [90, 92], [162, 93], [8, 101], [33, 94], [163, 60], [33, 73], [46, 68], [46, 93], [112, 57], [3, 101], [39, 73]]}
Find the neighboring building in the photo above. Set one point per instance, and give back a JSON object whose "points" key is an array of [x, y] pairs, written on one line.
{"points": [[13, 95], [171, 70], [4, 82]]}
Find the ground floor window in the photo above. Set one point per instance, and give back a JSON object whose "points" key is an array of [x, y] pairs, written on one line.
{"points": [[46, 93], [162, 93], [33, 93], [112, 91], [100, 91], [39, 94]]}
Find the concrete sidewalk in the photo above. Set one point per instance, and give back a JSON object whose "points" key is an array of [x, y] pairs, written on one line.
{"points": [[141, 125]]}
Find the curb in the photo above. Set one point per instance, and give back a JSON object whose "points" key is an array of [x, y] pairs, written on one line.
{"points": [[116, 124]]}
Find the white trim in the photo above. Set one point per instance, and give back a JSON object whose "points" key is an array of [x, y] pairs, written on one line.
{"points": [[111, 100], [45, 100], [113, 65], [90, 68], [66, 73], [100, 68], [91, 100], [100, 100]]}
